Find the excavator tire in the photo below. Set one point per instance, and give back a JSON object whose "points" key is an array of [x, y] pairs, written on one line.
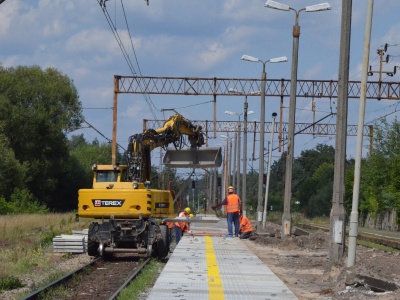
{"points": [[92, 245], [92, 248], [162, 242]]}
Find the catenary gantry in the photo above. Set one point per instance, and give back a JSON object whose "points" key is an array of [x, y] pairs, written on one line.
{"points": [[194, 86], [249, 87]]}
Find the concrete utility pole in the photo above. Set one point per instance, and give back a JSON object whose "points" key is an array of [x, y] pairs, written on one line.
{"points": [[237, 150], [338, 214], [216, 188], [271, 147], [244, 179], [238, 158], [353, 230], [233, 183]]}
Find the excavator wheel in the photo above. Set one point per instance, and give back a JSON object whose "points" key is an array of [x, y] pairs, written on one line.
{"points": [[163, 242], [92, 248], [92, 245], [150, 251]]}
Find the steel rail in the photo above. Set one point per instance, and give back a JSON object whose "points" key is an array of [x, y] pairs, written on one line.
{"points": [[63, 279], [392, 242], [36, 294], [131, 278]]}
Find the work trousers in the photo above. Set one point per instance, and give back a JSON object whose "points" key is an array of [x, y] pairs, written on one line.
{"points": [[178, 234], [233, 218]]}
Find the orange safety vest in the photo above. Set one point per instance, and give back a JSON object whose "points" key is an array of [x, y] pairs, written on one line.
{"points": [[245, 225], [170, 225], [183, 225], [233, 203]]}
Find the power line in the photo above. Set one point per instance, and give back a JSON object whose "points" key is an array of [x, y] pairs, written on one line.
{"points": [[147, 97], [98, 131], [113, 28]]}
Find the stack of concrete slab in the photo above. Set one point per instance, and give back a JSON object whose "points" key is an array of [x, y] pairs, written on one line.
{"points": [[75, 243]]}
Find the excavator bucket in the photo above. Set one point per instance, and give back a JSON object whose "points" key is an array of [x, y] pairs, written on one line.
{"points": [[193, 158]]}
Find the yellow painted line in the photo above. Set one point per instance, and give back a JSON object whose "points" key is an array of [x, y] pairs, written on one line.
{"points": [[215, 290]]}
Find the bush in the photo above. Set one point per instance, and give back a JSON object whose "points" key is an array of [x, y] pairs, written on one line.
{"points": [[9, 283], [21, 202], [5, 207]]}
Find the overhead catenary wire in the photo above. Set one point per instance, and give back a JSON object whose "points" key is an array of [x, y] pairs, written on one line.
{"points": [[146, 96], [114, 30], [151, 105]]}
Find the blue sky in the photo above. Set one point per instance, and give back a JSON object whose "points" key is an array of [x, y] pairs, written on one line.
{"points": [[194, 38]]}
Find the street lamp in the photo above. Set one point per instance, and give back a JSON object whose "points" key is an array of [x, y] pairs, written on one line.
{"points": [[262, 127], [269, 169], [286, 217]]}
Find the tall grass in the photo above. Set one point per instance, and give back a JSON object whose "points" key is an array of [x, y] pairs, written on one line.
{"points": [[25, 242], [32, 229]]}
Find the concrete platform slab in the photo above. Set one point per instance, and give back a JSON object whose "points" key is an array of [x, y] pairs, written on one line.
{"points": [[209, 266]]}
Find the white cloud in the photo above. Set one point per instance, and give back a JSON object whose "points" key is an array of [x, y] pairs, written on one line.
{"points": [[91, 41], [392, 37], [97, 97], [240, 11], [316, 71], [215, 52], [133, 112], [53, 29], [8, 14]]}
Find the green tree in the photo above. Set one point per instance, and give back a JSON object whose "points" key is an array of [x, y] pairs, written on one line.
{"points": [[12, 172], [252, 193], [380, 171], [320, 201], [84, 155], [312, 177], [37, 108]]}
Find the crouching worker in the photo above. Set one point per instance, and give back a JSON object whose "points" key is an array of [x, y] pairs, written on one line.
{"points": [[245, 227], [182, 227]]}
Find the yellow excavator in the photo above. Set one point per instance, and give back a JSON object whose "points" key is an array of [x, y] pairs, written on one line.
{"points": [[129, 213]]}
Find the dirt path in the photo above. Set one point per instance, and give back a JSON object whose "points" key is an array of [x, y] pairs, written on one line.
{"points": [[303, 264]]}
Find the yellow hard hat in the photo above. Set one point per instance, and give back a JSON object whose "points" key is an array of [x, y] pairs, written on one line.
{"points": [[187, 210], [231, 187], [191, 215]]}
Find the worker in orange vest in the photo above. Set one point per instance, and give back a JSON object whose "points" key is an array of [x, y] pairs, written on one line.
{"points": [[233, 207], [182, 227], [245, 227]]}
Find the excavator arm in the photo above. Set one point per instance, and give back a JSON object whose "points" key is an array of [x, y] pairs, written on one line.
{"points": [[141, 145]]}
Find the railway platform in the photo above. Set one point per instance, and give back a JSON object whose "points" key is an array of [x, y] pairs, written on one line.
{"points": [[207, 265]]}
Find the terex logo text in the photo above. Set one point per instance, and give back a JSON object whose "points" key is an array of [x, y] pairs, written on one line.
{"points": [[107, 203]]}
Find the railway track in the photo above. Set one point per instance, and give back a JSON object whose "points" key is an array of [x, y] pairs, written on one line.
{"points": [[381, 238], [98, 280]]}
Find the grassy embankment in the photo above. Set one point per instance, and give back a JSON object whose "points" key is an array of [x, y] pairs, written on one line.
{"points": [[26, 253], [27, 257]]}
